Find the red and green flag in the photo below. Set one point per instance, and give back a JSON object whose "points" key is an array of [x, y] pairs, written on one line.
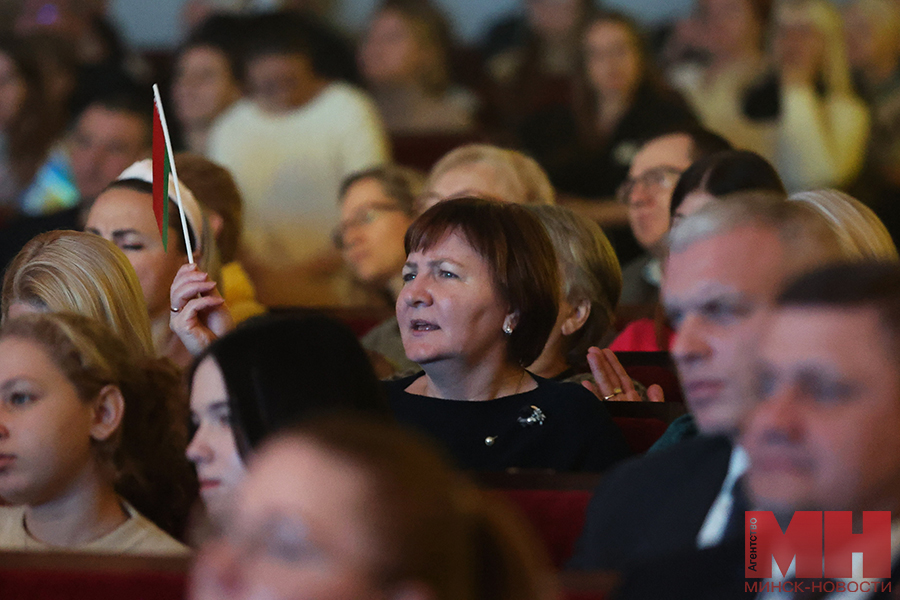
{"points": [[161, 170]]}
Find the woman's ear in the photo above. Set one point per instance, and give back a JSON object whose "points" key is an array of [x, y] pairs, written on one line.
{"points": [[216, 222], [577, 317], [109, 410]]}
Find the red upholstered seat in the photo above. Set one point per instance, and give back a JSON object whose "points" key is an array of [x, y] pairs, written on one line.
{"points": [[554, 503], [40, 576], [421, 151], [641, 432]]}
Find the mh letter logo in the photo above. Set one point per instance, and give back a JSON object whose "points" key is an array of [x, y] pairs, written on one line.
{"points": [[829, 555]]}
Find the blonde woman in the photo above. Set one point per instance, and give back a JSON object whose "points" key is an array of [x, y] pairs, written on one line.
{"points": [[859, 231], [71, 271], [488, 172], [90, 448]]}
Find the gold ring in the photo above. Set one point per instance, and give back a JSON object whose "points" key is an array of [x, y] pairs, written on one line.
{"points": [[617, 391], [610, 397]]}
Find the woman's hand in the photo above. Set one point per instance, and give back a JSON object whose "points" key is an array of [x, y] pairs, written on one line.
{"points": [[199, 314], [612, 382]]}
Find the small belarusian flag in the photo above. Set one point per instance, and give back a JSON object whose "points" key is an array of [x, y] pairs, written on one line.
{"points": [[163, 164], [160, 174]]}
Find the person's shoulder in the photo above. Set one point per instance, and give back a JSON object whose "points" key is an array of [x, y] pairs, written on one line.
{"points": [[237, 113], [345, 95], [138, 535]]}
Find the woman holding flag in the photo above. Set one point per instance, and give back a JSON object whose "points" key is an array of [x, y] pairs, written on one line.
{"points": [[124, 214]]}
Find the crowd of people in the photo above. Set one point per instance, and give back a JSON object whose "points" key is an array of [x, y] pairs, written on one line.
{"points": [[722, 192]]}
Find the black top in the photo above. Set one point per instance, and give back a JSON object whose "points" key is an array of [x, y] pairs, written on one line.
{"points": [[577, 433]]}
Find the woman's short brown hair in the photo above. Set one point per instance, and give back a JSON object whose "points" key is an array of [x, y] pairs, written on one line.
{"points": [[519, 254]]}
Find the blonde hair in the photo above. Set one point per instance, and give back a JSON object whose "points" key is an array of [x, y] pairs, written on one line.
{"points": [[860, 232], [144, 459], [523, 179], [71, 271]]}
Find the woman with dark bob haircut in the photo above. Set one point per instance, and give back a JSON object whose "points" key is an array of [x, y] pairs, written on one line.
{"points": [[478, 303], [270, 373]]}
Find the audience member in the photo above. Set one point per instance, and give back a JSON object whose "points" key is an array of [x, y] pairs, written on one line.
{"points": [[29, 123], [104, 62], [206, 83], [405, 61], [215, 190], [109, 135], [821, 436], [717, 175], [371, 512], [81, 273], [479, 301], [268, 374], [714, 176], [591, 282], [532, 58], [58, 69], [871, 29], [289, 146], [487, 172], [717, 54], [90, 441], [647, 194], [816, 127], [377, 206], [619, 102], [123, 214], [725, 265]]}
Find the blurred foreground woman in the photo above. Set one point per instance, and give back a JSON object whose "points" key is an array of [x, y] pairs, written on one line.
{"points": [[349, 510]]}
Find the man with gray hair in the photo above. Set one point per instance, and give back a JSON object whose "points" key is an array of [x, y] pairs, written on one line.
{"points": [[724, 268]]}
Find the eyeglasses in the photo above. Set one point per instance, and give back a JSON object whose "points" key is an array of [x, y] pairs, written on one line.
{"points": [[366, 216], [655, 180]]}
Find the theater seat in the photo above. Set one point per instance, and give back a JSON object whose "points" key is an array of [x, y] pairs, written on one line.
{"points": [[40, 576], [421, 151], [641, 432], [653, 368], [554, 504]]}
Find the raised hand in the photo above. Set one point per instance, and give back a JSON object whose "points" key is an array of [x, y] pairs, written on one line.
{"points": [[611, 382], [199, 314]]}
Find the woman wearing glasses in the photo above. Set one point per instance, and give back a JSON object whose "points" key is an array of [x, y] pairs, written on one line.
{"points": [[377, 207]]}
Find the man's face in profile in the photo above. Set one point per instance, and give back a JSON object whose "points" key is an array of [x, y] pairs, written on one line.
{"points": [[716, 292], [826, 434]]}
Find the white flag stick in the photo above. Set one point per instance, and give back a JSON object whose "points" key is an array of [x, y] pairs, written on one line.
{"points": [[165, 128]]}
